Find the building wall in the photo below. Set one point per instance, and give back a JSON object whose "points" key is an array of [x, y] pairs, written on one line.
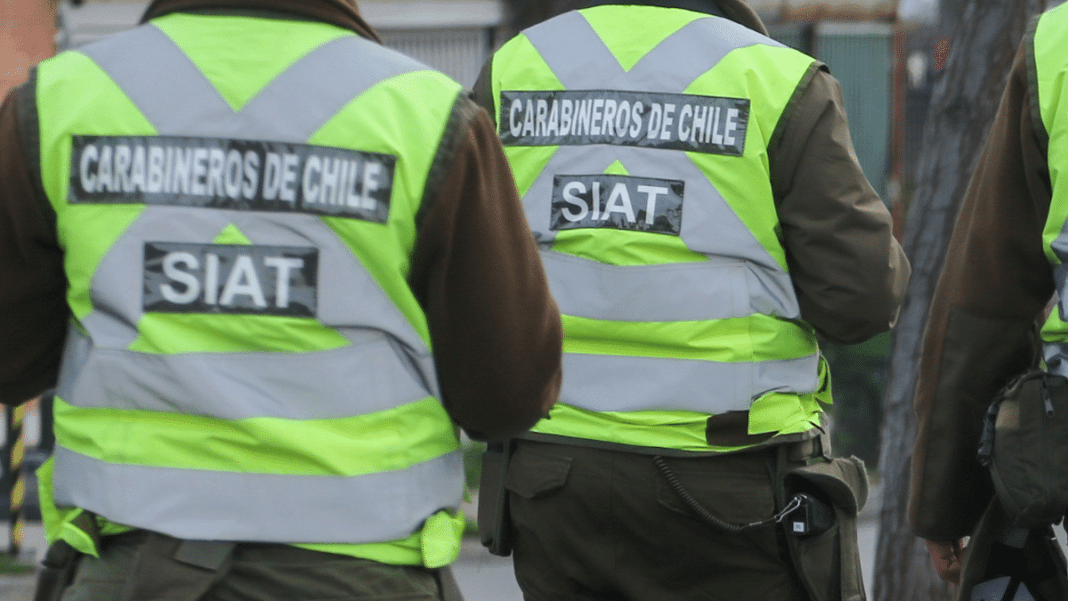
{"points": [[861, 56], [457, 52], [811, 10], [424, 14], [453, 36], [26, 30]]}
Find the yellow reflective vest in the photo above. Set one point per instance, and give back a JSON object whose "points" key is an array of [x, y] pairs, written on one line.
{"points": [[247, 361], [641, 155]]}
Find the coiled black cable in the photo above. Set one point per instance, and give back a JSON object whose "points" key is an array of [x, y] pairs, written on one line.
{"points": [[708, 516]]}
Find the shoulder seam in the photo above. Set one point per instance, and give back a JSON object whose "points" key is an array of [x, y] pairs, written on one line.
{"points": [[1037, 123], [30, 139], [791, 104], [463, 112]]}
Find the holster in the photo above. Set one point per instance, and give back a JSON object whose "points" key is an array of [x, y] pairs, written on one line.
{"points": [[61, 560], [494, 523], [828, 564], [59, 565]]}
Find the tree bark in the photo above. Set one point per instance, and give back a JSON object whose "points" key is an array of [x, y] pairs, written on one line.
{"points": [[963, 105]]}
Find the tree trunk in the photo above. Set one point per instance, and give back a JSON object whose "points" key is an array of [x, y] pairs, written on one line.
{"points": [[962, 108]]}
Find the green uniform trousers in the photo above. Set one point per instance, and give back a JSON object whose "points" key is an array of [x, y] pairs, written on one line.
{"points": [[605, 525], [143, 566]]}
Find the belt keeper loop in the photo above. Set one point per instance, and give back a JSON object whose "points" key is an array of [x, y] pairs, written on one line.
{"points": [[803, 451], [209, 555]]}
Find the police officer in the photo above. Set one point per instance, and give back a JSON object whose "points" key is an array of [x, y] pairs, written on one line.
{"points": [[1004, 263], [702, 217], [285, 262]]}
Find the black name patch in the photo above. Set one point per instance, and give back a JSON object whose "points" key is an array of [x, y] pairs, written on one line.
{"points": [[222, 278], [231, 174], [706, 124], [640, 204]]}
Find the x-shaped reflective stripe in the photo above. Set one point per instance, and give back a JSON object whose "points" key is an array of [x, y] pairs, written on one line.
{"points": [[177, 99], [708, 224], [182, 101]]}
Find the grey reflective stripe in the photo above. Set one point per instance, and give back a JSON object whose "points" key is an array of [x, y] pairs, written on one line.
{"points": [[159, 99], [558, 41], [184, 102], [253, 385], [625, 383], [1060, 273], [1056, 353], [720, 288], [260, 507], [1059, 246], [1056, 356]]}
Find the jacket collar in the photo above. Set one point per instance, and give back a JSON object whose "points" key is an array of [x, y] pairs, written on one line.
{"points": [[700, 6], [343, 13], [735, 10]]}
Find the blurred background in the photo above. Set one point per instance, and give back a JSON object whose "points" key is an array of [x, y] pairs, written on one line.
{"points": [[889, 55]]}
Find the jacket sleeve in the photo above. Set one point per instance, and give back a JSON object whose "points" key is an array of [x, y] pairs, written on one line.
{"points": [[849, 271], [981, 329], [33, 309], [496, 331]]}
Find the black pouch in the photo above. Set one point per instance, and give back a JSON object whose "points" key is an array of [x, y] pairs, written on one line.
{"points": [[59, 565], [494, 525], [1025, 445], [825, 550]]}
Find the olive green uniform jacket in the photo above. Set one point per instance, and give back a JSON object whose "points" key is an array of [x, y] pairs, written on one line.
{"points": [[982, 330]]}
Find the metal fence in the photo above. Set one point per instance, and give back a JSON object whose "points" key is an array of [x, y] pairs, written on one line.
{"points": [[861, 57], [27, 443]]}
